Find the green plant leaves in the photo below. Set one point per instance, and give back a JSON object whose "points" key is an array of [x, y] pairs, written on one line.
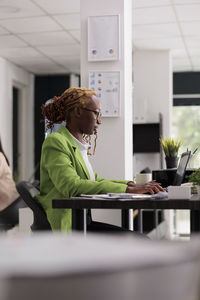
{"points": [[171, 146], [195, 177]]}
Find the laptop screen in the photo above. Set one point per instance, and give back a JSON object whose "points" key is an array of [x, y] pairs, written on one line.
{"points": [[180, 173]]}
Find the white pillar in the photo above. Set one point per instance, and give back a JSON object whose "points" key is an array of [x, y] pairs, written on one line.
{"points": [[152, 94], [113, 158]]}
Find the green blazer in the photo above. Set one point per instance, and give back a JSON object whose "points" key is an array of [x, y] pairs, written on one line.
{"points": [[63, 174]]}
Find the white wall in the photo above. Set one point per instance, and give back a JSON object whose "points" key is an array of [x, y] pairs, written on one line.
{"points": [[113, 158], [74, 80], [152, 94], [114, 150], [10, 76]]}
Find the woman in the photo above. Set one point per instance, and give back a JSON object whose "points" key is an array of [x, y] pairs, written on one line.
{"points": [[10, 201], [65, 170]]}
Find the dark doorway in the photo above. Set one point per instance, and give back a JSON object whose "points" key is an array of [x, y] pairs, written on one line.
{"points": [[46, 87], [15, 132]]}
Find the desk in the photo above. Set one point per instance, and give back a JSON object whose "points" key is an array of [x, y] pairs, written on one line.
{"points": [[80, 204]]}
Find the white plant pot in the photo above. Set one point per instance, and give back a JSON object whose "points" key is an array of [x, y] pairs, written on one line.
{"points": [[198, 189]]}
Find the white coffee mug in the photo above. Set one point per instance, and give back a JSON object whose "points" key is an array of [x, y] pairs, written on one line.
{"points": [[142, 178]]}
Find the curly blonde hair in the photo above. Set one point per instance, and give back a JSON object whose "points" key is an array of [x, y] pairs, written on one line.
{"points": [[60, 108]]}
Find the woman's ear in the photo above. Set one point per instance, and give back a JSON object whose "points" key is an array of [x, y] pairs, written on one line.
{"points": [[77, 112]]}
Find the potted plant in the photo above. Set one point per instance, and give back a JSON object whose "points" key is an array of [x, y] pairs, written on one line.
{"points": [[195, 179], [170, 147]]}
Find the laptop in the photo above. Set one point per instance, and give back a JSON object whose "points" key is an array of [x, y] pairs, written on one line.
{"points": [[180, 173]]}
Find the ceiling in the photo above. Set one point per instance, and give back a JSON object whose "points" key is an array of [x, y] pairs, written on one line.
{"points": [[43, 36]]}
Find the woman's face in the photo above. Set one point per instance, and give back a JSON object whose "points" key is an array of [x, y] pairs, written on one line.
{"points": [[90, 115]]}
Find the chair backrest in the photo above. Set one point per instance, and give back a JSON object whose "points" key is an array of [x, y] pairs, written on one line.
{"points": [[28, 191], [9, 217]]}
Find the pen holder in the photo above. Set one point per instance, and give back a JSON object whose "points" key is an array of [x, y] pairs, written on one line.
{"points": [[179, 192], [171, 162]]}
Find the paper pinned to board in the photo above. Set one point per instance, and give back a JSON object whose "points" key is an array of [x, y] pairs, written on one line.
{"points": [[103, 38]]}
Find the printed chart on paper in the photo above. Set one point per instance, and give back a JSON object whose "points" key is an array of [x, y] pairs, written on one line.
{"points": [[107, 86], [103, 38]]}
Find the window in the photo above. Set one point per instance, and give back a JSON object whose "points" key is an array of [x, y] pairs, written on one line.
{"points": [[186, 124]]}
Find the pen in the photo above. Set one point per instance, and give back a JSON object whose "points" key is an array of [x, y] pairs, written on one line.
{"points": [[113, 195], [195, 151]]}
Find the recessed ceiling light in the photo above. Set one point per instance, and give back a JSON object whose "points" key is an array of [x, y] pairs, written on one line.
{"points": [[9, 9]]}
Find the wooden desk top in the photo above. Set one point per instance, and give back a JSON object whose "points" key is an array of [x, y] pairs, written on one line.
{"points": [[82, 202]]}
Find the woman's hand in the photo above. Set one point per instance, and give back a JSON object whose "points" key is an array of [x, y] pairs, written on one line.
{"points": [[150, 187]]}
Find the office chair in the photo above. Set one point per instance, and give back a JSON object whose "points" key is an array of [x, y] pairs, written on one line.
{"points": [[28, 191], [9, 217]]}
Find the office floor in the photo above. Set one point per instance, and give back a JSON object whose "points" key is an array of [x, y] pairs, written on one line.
{"points": [[181, 226], [182, 222]]}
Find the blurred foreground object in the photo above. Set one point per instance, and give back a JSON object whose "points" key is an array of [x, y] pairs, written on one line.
{"points": [[107, 267]]}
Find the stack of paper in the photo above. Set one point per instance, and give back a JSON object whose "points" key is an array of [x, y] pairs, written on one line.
{"points": [[119, 196]]}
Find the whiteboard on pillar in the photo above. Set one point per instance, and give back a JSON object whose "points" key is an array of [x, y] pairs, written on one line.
{"points": [[103, 38], [107, 86]]}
